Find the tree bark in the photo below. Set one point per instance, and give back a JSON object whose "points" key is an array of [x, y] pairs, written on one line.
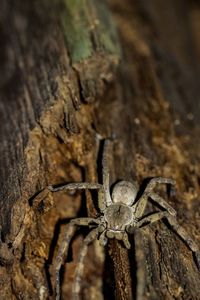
{"points": [[60, 91]]}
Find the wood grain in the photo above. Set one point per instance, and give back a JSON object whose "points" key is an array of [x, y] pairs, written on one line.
{"points": [[60, 91]]}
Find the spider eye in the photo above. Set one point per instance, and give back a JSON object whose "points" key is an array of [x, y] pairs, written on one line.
{"points": [[124, 192]]}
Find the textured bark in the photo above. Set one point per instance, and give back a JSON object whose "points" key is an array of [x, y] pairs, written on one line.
{"points": [[59, 92], [56, 56]]}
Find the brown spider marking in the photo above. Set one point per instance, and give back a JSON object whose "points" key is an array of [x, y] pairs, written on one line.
{"points": [[121, 213]]}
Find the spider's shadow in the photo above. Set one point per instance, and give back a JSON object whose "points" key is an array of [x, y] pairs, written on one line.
{"points": [[99, 162]]}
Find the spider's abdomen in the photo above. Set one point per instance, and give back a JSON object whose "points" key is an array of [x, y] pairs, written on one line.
{"points": [[117, 216], [124, 192]]}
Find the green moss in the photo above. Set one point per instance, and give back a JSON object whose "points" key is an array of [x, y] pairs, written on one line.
{"points": [[87, 26]]}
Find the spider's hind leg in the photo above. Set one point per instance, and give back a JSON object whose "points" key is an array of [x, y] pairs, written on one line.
{"points": [[60, 256], [63, 249], [79, 269], [180, 231], [192, 245]]}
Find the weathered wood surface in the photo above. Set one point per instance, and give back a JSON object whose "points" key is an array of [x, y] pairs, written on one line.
{"points": [[56, 102], [54, 56]]}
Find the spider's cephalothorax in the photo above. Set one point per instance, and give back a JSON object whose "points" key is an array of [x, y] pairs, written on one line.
{"points": [[121, 213], [117, 216]]}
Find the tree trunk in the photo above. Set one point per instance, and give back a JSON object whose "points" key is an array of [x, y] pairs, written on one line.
{"points": [[62, 90]]}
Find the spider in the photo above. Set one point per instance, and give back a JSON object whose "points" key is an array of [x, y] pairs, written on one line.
{"points": [[122, 211]]}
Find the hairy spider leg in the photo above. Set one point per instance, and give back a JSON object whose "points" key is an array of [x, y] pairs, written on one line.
{"points": [[154, 217], [180, 231], [80, 266], [101, 200], [152, 183], [142, 202], [76, 186], [105, 171], [163, 203], [63, 249], [81, 186]]}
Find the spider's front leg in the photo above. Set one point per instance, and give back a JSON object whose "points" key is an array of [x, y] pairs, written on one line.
{"points": [[76, 186], [105, 171], [63, 249], [83, 186], [158, 180], [148, 193]]}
